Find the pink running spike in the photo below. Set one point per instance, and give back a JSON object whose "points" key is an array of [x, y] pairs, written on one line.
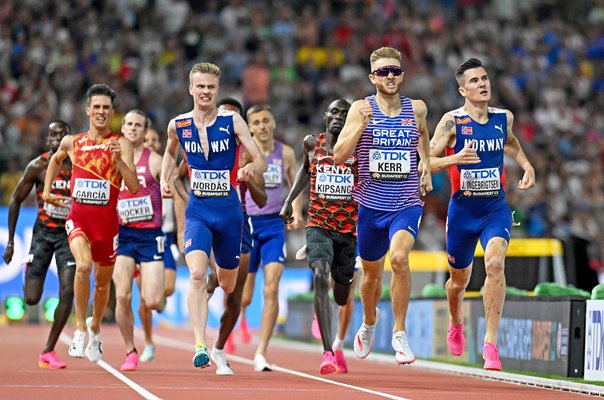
{"points": [[491, 357], [328, 366], [50, 360]]}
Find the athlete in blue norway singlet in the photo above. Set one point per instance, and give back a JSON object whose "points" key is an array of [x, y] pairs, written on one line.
{"points": [[213, 218], [388, 186], [477, 209]]}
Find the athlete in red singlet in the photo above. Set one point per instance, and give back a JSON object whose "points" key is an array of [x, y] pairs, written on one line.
{"points": [[331, 228], [100, 160], [49, 238]]}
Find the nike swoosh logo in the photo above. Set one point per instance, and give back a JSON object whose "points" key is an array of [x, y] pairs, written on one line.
{"points": [[156, 257]]}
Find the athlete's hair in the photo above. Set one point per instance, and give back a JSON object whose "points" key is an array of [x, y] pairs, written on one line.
{"points": [[470, 63], [385, 52], [231, 102], [142, 114], [60, 124], [257, 108], [204, 68], [101, 89]]}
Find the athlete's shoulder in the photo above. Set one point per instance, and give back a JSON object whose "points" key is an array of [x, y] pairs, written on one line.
{"points": [[458, 112], [310, 142], [183, 120]]}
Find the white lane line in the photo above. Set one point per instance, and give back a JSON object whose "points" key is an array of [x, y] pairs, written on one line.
{"points": [[176, 344], [133, 385]]}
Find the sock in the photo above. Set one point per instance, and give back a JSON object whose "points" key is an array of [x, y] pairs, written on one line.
{"points": [[338, 344], [200, 346]]}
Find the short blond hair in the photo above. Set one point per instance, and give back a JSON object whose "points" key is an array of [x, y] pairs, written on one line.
{"points": [[204, 68], [386, 52]]}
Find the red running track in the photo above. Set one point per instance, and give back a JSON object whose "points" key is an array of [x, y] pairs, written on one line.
{"points": [[172, 376]]}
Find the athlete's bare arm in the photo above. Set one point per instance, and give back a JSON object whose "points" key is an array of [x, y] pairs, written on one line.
{"points": [[289, 164], [425, 180], [54, 166], [155, 161], [123, 155], [356, 121], [444, 136], [258, 164], [178, 180], [31, 177], [513, 149], [300, 182], [169, 160], [255, 185]]}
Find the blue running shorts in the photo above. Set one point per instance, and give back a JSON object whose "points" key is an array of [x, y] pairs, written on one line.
{"points": [[142, 245], [269, 241]]}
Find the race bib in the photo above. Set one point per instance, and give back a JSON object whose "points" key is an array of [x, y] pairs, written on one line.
{"points": [[91, 191], [56, 212], [272, 176], [208, 183], [135, 209], [334, 186], [480, 182], [390, 165]]}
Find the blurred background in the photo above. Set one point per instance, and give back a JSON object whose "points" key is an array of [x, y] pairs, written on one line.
{"points": [[545, 59]]}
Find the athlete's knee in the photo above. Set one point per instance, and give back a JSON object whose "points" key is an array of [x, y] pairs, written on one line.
{"points": [[399, 262], [32, 297], [123, 299], [197, 278], [154, 302], [341, 294], [83, 269], [494, 266], [234, 301]]}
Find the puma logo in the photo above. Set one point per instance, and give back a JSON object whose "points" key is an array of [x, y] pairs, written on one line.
{"points": [[500, 128], [225, 129]]}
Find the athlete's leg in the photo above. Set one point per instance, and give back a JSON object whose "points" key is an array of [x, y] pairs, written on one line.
{"points": [[63, 310], [80, 248], [146, 315], [232, 304], [320, 269], [169, 281], [197, 261], [272, 276], [122, 279], [494, 286], [345, 311], [371, 288], [246, 300], [455, 288], [212, 276], [400, 284], [152, 283], [102, 284]]}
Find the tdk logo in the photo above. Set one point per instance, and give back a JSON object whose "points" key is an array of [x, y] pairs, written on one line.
{"points": [[138, 202], [396, 156], [92, 184], [332, 178], [210, 175], [480, 174]]}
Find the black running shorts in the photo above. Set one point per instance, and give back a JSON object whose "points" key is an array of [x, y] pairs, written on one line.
{"points": [[338, 249], [44, 243]]}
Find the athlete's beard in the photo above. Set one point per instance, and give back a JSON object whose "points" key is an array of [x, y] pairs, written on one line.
{"points": [[381, 87]]}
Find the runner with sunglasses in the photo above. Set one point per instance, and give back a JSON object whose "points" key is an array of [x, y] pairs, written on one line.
{"points": [[385, 131]]}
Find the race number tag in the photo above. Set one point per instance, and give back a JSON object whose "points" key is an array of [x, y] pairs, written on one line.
{"points": [[135, 209], [91, 191], [272, 176], [331, 186], [208, 183], [56, 212], [391, 165], [480, 182]]}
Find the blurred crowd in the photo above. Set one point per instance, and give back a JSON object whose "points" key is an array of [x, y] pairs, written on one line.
{"points": [[545, 59]]}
